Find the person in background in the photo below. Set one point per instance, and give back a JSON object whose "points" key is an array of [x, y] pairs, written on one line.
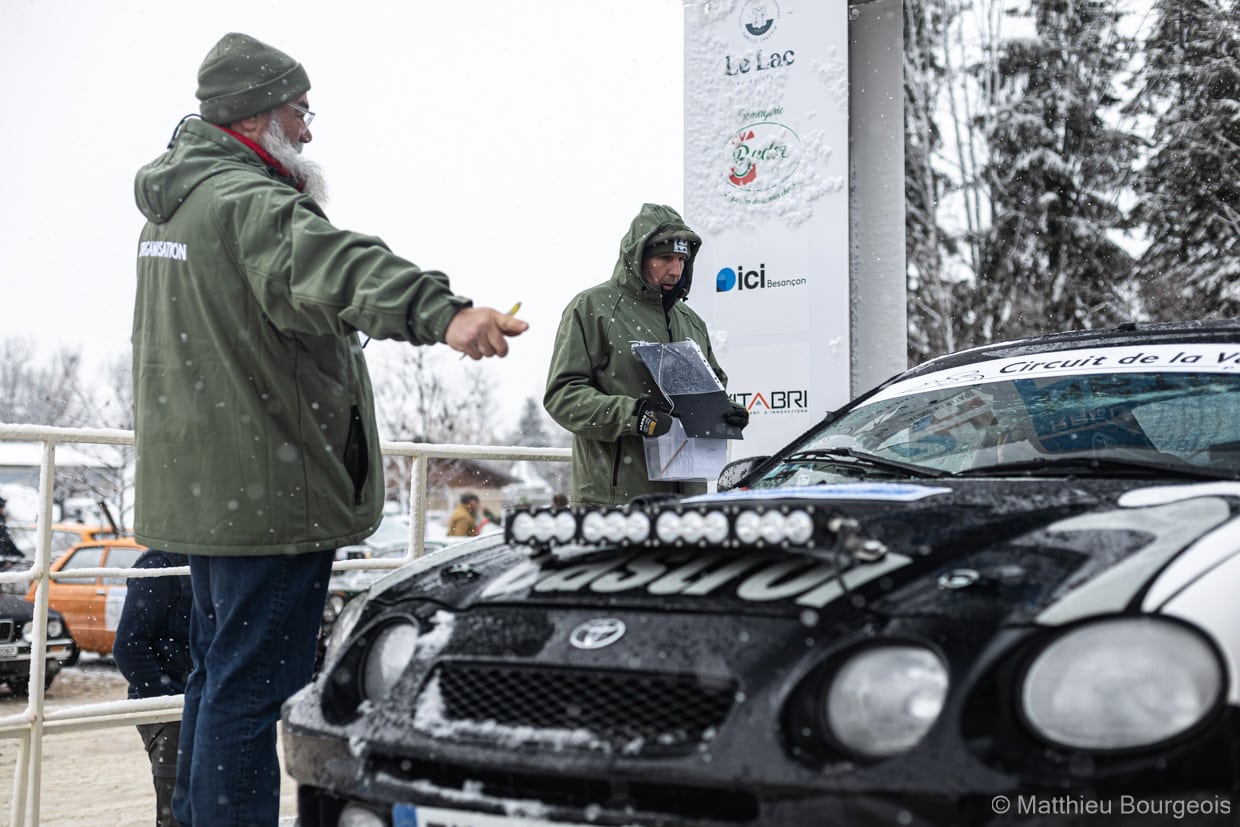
{"points": [[489, 517], [257, 447], [463, 521], [152, 652], [8, 548], [598, 389]]}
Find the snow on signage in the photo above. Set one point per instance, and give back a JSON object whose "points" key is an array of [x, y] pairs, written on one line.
{"points": [[755, 135], [766, 174]]}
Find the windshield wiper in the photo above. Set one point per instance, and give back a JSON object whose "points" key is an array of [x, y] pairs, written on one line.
{"points": [[1100, 465], [864, 459]]}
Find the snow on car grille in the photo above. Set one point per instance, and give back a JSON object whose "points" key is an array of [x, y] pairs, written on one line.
{"points": [[676, 801], [630, 712]]}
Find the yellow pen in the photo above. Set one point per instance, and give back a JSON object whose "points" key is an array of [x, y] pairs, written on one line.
{"points": [[511, 312]]}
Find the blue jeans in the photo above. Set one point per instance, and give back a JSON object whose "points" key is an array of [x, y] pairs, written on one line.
{"points": [[252, 636]]}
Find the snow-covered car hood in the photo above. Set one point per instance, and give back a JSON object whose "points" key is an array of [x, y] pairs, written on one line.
{"points": [[1010, 551]]}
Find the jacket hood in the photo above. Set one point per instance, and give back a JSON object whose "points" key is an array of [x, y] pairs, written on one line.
{"points": [[199, 150], [654, 220]]}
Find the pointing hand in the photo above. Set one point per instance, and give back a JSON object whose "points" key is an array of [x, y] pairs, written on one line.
{"points": [[479, 332]]}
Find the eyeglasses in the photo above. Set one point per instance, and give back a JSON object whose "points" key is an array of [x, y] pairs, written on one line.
{"points": [[306, 115]]}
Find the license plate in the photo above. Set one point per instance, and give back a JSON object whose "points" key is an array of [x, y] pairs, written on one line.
{"points": [[407, 815], [8, 650]]}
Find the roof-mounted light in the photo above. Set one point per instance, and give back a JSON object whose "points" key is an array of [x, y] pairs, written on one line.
{"points": [[637, 527], [565, 527], [593, 527], [776, 524]]}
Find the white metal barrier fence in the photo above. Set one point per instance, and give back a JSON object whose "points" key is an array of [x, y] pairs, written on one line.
{"points": [[34, 722]]}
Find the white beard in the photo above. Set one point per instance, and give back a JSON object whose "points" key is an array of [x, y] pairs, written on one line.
{"points": [[306, 172]]}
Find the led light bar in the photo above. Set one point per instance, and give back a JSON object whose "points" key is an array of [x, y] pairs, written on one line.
{"points": [[783, 525]]}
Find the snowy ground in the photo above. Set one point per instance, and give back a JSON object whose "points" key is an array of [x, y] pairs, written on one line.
{"points": [[99, 776]]}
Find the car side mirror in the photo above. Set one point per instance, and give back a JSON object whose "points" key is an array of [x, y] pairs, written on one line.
{"points": [[737, 470]]}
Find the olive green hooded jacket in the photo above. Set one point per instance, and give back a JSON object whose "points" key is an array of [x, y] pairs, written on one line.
{"points": [[254, 414], [596, 384]]}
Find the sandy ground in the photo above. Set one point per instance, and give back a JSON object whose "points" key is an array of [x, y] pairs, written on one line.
{"points": [[98, 777]]}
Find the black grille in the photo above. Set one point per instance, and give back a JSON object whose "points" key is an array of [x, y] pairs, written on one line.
{"points": [[639, 712], [8, 630]]}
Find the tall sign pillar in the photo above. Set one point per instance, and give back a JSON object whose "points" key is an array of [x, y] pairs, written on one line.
{"points": [[767, 187]]}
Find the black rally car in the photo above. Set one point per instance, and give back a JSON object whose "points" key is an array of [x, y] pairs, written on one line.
{"points": [[1004, 587]]}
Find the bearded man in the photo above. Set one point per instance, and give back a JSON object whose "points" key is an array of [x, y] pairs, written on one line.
{"points": [[258, 453]]}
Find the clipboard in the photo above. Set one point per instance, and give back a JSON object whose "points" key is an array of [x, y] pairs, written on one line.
{"points": [[687, 381], [696, 447]]}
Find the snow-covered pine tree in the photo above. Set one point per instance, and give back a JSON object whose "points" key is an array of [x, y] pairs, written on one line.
{"points": [[1056, 165], [536, 430], [531, 430], [929, 290], [1189, 191]]}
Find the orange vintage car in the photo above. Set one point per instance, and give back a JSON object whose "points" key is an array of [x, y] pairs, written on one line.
{"points": [[64, 536], [91, 604]]}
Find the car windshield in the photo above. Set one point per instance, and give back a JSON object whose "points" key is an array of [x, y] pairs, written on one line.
{"points": [[1008, 416]]}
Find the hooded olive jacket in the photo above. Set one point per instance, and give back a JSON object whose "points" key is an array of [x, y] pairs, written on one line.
{"points": [[254, 415], [596, 383]]}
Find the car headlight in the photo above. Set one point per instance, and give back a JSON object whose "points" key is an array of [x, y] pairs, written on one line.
{"points": [[387, 658], [883, 700], [354, 815], [54, 630], [1121, 683], [332, 606], [343, 626]]}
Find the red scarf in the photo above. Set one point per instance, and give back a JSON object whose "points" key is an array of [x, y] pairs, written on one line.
{"points": [[266, 157]]}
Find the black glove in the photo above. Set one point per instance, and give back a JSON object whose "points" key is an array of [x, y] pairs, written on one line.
{"points": [[653, 417], [738, 417]]}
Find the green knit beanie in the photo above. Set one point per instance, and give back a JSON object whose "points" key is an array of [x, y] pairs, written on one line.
{"points": [[242, 76]]}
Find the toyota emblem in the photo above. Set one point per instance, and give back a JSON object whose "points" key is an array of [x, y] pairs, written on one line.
{"points": [[597, 633]]}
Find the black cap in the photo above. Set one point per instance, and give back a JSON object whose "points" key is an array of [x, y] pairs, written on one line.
{"points": [[669, 246]]}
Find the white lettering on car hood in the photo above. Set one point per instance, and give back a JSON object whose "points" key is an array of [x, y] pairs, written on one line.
{"points": [[754, 578]]}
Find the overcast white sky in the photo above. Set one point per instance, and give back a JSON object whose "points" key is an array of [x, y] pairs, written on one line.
{"points": [[508, 144]]}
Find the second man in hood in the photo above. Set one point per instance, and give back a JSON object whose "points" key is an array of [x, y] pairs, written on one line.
{"points": [[598, 389]]}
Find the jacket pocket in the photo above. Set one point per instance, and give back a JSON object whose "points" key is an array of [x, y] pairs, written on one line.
{"points": [[356, 455]]}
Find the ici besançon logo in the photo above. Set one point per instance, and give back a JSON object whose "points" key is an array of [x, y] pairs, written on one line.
{"points": [[738, 278]]}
